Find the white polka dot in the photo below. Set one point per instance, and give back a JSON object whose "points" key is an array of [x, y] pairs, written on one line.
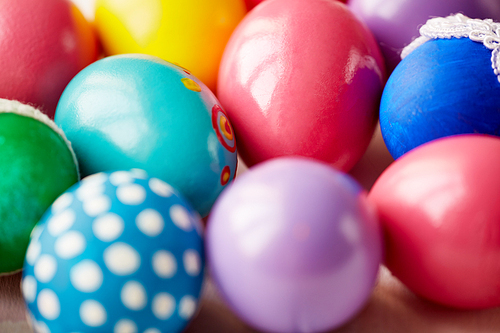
{"points": [[62, 203], [139, 173], [96, 179], [36, 232], [92, 313], [88, 191], [70, 245], [192, 262], [150, 222], [45, 268], [164, 264], [152, 330], [121, 259], [180, 217], [61, 222], [121, 177], [97, 205], [40, 326], [34, 250], [187, 307], [163, 306], [125, 326], [161, 188], [108, 227], [131, 194], [48, 304], [133, 295], [86, 276], [29, 288]]}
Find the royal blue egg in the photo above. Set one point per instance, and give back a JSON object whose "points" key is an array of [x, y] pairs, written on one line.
{"points": [[444, 87], [138, 111], [118, 252]]}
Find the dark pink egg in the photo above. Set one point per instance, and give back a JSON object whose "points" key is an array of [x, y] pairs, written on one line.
{"points": [[302, 78], [44, 44]]}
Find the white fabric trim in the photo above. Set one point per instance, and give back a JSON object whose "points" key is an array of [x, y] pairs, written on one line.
{"points": [[461, 26]]}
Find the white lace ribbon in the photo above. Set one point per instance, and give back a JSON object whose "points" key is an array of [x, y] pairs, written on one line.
{"points": [[461, 26]]}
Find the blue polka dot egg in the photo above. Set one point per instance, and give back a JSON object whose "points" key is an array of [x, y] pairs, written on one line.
{"points": [[118, 252]]}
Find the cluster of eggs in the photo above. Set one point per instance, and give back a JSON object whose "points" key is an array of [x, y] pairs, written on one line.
{"points": [[295, 243]]}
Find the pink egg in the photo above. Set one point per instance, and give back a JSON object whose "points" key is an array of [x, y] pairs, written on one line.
{"points": [[302, 78], [439, 208], [44, 44]]}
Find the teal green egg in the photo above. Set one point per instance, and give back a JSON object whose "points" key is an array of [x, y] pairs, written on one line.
{"points": [[138, 111]]}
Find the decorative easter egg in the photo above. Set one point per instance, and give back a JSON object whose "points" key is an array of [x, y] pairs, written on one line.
{"points": [[439, 207], [252, 3], [37, 164], [138, 111], [118, 252], [395, 23], [190, 33], [302, 78], [294, 246], [444, 86], [44, 44]]}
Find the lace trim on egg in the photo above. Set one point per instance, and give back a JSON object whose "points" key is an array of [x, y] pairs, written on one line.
{"points": [[461, 26]]}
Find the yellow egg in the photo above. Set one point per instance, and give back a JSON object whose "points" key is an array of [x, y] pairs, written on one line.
{"points": [[191, 33]]}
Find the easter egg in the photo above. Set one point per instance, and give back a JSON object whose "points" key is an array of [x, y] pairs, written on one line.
{"points": [[118, 252], [439, 208], [44, 44], [302, 78], [190, 33], [395, 23], [294, 246], [443, 86], [37, 164], [138, 111]]}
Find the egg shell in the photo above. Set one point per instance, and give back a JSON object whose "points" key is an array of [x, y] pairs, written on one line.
{"points": [[118, 252], [190, 33], [439, 208], [294, 246], [395, 23], [138, 111], [442, 88], [44, 44], [302, 78], [37, 164]]}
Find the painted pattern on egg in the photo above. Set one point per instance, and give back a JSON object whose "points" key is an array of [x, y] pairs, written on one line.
{"points": [[223, 128], [118, 252]]}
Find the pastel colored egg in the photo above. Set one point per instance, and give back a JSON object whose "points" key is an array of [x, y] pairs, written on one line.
{"points": [[37, 164], [44, 44], [190, 33], [439, 207], [138, 111], [118, 252], [302, 78], [443, 87], [395, 23], [252, 3], [294, 246]]}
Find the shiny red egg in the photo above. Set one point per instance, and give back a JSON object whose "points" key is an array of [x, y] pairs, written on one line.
{"points": [[439, 206], [302, 78]]}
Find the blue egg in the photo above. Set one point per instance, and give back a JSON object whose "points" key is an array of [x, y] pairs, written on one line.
{"points": [[118, 252], [442, 88], [138, 111]]}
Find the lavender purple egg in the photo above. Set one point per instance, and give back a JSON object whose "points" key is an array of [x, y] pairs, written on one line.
{"points": [[294, 246]]}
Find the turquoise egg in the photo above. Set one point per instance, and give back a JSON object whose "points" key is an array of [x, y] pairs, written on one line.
{"points": [[138, 111]]}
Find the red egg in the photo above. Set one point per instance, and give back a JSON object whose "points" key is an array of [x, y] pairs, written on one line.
{"points": [[252, 3], [439, 205], [302, 78], [44, 44]]}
